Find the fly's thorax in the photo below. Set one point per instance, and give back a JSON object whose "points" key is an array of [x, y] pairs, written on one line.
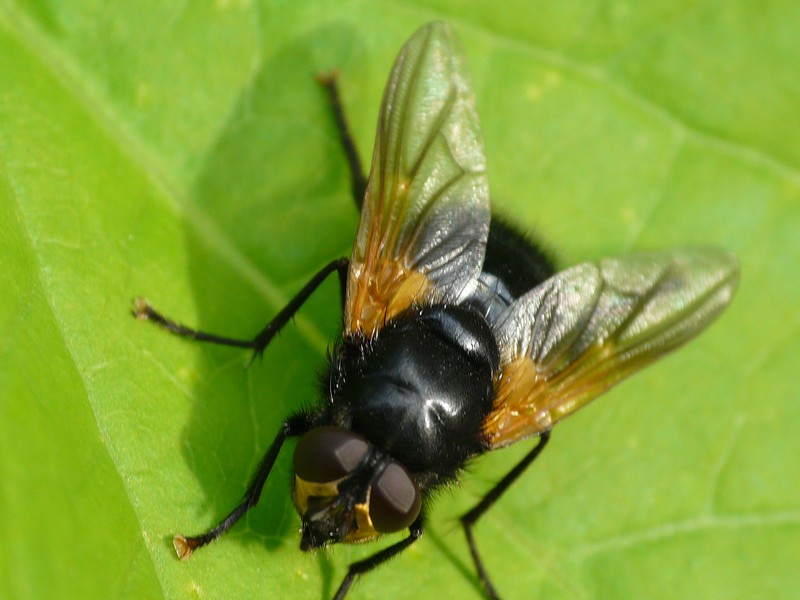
{"points": [[347, 490], [421, 387]]}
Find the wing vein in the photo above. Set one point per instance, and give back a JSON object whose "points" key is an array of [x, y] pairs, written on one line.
{"points": [[436, 130], [422, 220]]}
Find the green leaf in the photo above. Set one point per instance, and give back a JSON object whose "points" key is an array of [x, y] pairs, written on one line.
{"points": [[184, 152]]}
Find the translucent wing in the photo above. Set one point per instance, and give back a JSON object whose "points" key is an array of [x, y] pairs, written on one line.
{"points": [[425, 217], [587, 328]]}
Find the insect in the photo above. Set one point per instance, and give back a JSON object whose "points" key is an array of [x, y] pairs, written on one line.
{"points": [[458, 337]]}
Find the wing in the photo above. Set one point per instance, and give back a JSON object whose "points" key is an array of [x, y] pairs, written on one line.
{"points": [[425, 217], [587, 328]]}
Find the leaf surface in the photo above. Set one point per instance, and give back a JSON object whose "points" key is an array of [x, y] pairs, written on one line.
{"points": [[184, 152]]}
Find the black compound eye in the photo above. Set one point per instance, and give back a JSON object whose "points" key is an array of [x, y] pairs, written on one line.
{"points": [[326, 454], [394, 502]]}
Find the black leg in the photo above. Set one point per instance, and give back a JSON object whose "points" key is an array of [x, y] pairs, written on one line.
{"points": [[294, 426], [469, 519], [357, 178], [142, 310], [364, 566]]}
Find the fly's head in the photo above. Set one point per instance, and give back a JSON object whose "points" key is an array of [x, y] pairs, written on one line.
{"points": [[346, 490]]}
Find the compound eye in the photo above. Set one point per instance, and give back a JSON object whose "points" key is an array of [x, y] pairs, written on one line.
{"points": [[326, 454], [394, 501]]}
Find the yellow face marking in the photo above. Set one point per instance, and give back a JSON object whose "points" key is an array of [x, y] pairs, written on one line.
{"points": [[364, 530], [303, 490], [361, 528]]}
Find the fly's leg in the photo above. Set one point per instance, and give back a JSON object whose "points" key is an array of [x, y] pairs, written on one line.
{"points": [[357, 178], [364, 566], [292, 427], [143, 310], [470, 518]]}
